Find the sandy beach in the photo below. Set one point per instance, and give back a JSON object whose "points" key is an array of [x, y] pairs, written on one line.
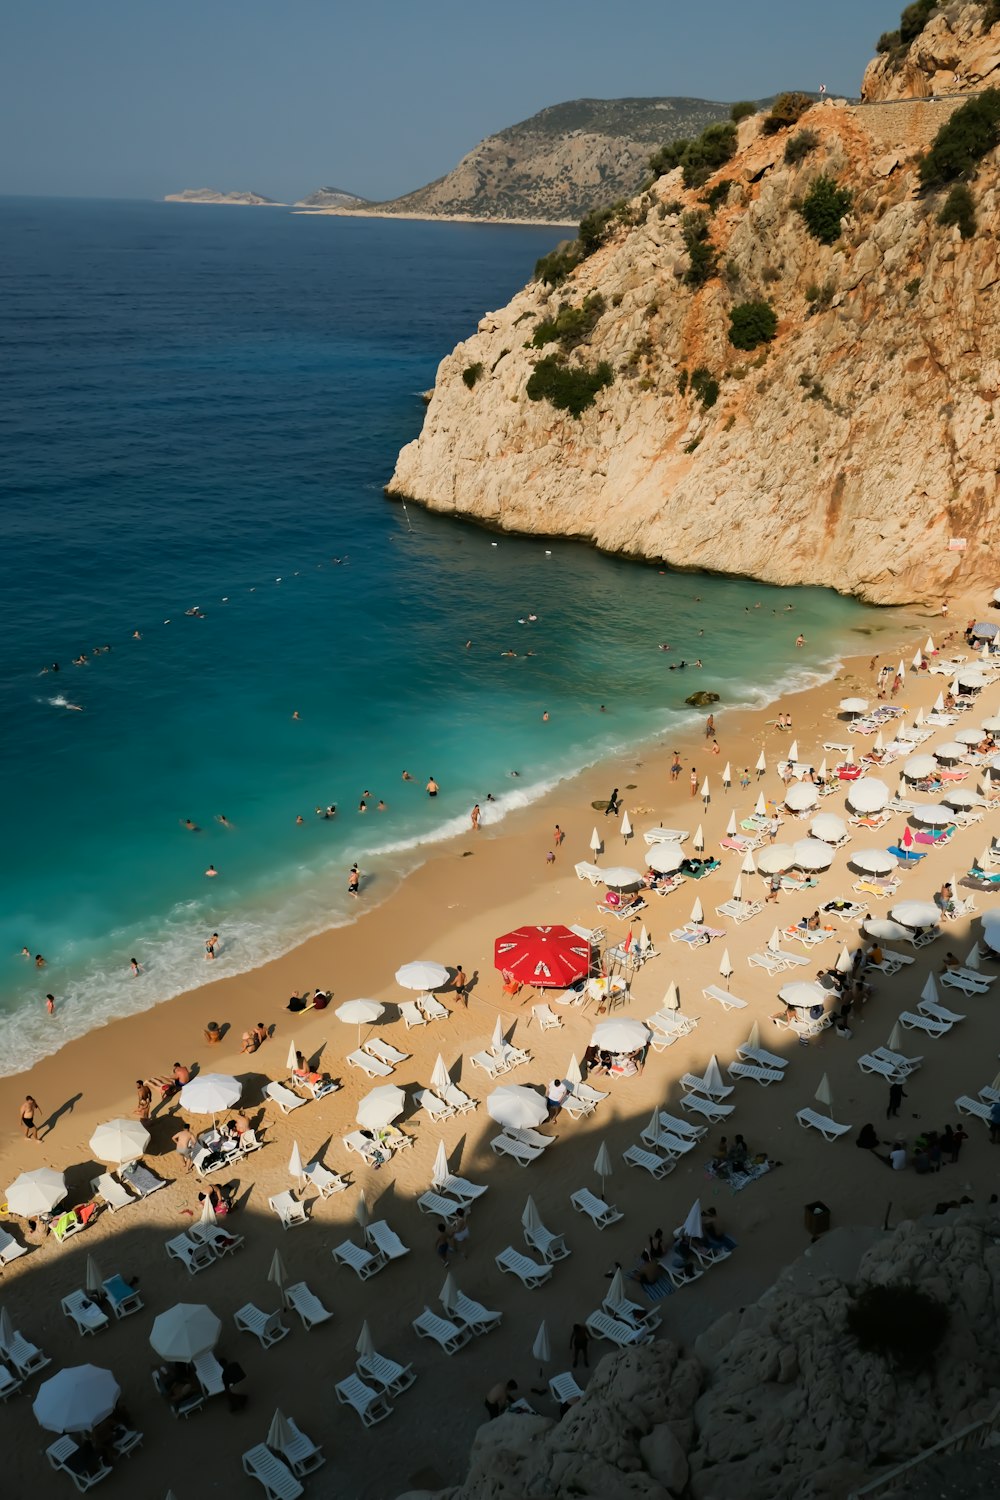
{"points": [[451, 909]]}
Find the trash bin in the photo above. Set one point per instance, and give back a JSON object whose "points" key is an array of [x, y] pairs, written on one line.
{"points": [[817, 1218]]}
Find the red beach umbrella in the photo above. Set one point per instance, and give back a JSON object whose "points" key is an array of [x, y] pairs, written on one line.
{"points": [[543, 956]]}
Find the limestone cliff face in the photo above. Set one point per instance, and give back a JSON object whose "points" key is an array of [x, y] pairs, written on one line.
{"points": [[956, 53], [849, 452]]}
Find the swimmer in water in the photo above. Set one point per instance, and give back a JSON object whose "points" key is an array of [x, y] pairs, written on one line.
{"points": [[190, 826], [135, 966], [76, 707], [137, 635], [300, 820], [664, 646], [295, 715], [211, 872], [221, 818], [407, 776]]}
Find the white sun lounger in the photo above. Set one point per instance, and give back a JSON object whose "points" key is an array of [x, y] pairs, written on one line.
{"points": [[490, 1065], [529, 1137], [809, 1119], [588, 1094], [440, 1207], [365, 1146], [436, 1108], [473, 1315], [574, 1106], [393, 1378], [9, 1384], [546, 1018], [656, 1166], [284, 1098], [869, 1063], [665, 835], [600, 1213], [412, 1014], [938, 1012], [10, 1250], [267, 1327], [289, 1210], [385, 1052], [86, 1314], [632, 1315], [371, 1406], [790, 960], [461, 1188], [725, 999], [551, 1247], [323, 1180], [446, 1334], [763, 1076], [892, 962], [740, 911], [768, 962], [504, 1145], [310, 1309], [459, 1102], [373, 1066], [978, 1107], [59, 1455], [564, 1389], [385, 1240], [914, 1022], [513, 1057], [192, 1256], [123, 1298], [697, 1084], [601, 1326], [433, 1009], [968, 987], [222, 1241], [304, 1456], [906, 1065], [672, 1145], [277, 1478], [111, 1191], [762, 1057], [699, 1105], [208, 1373], [361, 1261], [529, 1272], [586, 871], [26, 1357]]}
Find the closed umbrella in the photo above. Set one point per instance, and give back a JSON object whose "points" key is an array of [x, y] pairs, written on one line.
{"points": [[930, 991], [94, 1282], [422, 975], [209, 1093], [738, 888], [929, 646], [803, 994], [825, 1094], [292, 1058], [620, 876], [572, 1073], [595, 842], [699, 839], [119, 1140], [361, 1214], [760, 806], [76, 1399], [366, 1344], [277, 1273], [731, 825], [706, 792], [515, 1105], [934, 814], [626, 827], [36, 1192], [207, 1215], [672, 1000], [381, 1106], [844, 963], [879, 741], [360, 1013], [822, 768], [753, 1040], [440, 1078], [917, 661], [812, 854], [776, 859], [915, 913], [727, 776], [895, 1039], [449, 1293], [602, 1165], [616, 1291], [665, 858], [441, 1171], [749, 865], [692, 1224], [972, 957], [761, 764], [697, 911], [543, 1353], [295, 1161], [280, 1434], [828, 827], [793, 750], [800, 796], [497, 1039], [185, 1331], [874, 861], [726, 967], [6, 1329], [620, 1035], [712, 1077], [918, 767], [853, 707], [529, 1215], [868, 795]]}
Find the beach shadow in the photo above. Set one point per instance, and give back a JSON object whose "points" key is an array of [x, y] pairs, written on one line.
{"points": [[64, 1109], [314, 1060], [225, 1028], [456, 1154], [472, 981]]}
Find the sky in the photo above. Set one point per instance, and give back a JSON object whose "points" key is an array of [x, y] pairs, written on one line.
{"points": [[138, 98]]}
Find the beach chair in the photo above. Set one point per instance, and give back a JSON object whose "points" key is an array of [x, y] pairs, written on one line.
{"points": [[643, 1319], [938, 1012], [739, 911], [284, 1098], [208, 1373], [9, 1383], [490, 1065], [588, 1094], [790, 960], [695, 936], [193, 1256], [183, 1407], [601, 1326], [674, 1146], [110, 1191], [601, 1214], [768, 962], [66, 1456], [872, 886], [300, 1452], [70, 1223], [412, 1014], [365, 1147], [447, 1335], [505, 1145], [289, 1210], [586, 871], [977, 1107], [725, 999], [906, 1065], [385, 1241], [551, 1247], [26, 1357], [764, 1076], [221, 1241], [922, 939], [267, 1327], [207, 1160], [373, 1066], [708, 1108], [362, 1261], [473, 1315], [513, 1057], [123, 1299], [546, 1018], [869, 1063], [665, 835], [439, 1207], [459, 1102], [461, 1188], [656, 1166], [809, 1119], [670, 1024], [968, 985], [696, 1084], [310, 1309], [529, 1137], [564, 1390], [323, 1180], [393, 1378], [914, 1022], [529, 1272], [86, 1315], [317, 1088], [277, 1478], [761, 1056], [10, 1250], [574, 1106], [436, 1108], [140, 1179], [892, 962], [385, 1052], [249, 1143], [433, 1009]]}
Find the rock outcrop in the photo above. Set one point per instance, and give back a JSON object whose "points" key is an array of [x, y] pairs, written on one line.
{"points": [[331, 197], [213, 195], [777, 1402], [956, 53], [854, 450]]}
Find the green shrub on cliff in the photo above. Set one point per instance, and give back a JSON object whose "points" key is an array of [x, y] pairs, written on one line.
{"points": [[557, 265], [824, 206], [752, 323], [786, 110], [571, 325], [699, 158], [742, 110], [914, 19], [705, 386], [901, 1323], [963, 140], [569, 388], [701, 252], [959, 208], [799, 145]]}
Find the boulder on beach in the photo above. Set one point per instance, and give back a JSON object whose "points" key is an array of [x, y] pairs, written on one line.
{"points": [[702, 700]]}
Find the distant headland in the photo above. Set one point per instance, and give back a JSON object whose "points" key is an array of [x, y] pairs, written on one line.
{"points": [[212, 195]]}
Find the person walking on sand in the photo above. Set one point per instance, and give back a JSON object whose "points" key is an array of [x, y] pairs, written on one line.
{"points": [[460, 1232], [694, 782], [896, 1096], [558, 836], [710, 727], [442, 1244], [579, 1343], [29, 1109], [675, 767], [611, 807], [353, 881], [774, 890], [461, 986], [474, 817]]}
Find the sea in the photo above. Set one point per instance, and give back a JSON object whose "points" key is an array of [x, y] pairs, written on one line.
{"points": [[199, 408]]}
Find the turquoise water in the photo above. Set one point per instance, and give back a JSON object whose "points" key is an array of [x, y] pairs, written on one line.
{"points": [[199, 410]]}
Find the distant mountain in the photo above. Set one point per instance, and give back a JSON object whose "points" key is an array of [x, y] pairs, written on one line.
{"points": [[331, 197], [562, 162], [212, 195]]}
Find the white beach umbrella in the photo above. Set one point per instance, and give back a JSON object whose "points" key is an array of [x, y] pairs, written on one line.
{"points": [[207, 1215], [281, 1434], [529, 1215], [645, 941], [828, 827], [793, 751], [994, 766], [879, 742], [697, 911], [619, 877], [94, 1281], [873, 861], [623, 1034], [800, 796], [448, 1294], [516, 1105], [119, 1140], [422, 974], [929, 646], [665, 858], [712, 1077], [812, 854], [184, 1331], [915, 913], [616, 1291], [6, 1329], [441, 1171], [210, 1092], [738, 888], [292, 1060], [277, 1273], [884, 930], [918, 718], [844, 963], [895, 1039], [868, 795], [968, 736], [381, 1106], [572, 1073], [731, 825], [706, 792], [596, 843], [726, 967], [361, 1012], [972, 957], [760, 806], [853, 706], [761, 764], [699, 840], [749, 865], [672, 1000], [753, 1040], [973, 678], [990, 923], [361, 1214], [602, 1165], [822, 768], [938, 705], [727, 775], [992, 724], [497, 1040], [541, 1348], [440, 1078], [930, 991], [365, 1345], [803, 994], [825, 1093], [918, 767], [76, 1399], [774, 941], [776, 859], [692, 1226], [959, 796], [626, 828], [295, 1161], [36, 1192], [901, 670], [950, 750], [934, 814], [917, 661]]}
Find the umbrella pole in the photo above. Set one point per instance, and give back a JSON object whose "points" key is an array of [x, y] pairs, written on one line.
{"points": [[539, 1390]]}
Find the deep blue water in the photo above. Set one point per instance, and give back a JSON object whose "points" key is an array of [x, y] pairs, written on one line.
{"points": [[199, 408]]}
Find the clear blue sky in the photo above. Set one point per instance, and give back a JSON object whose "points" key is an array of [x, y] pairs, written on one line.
{"points": [[137, 98]]}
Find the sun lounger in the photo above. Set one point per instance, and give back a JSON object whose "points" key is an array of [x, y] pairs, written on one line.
{"points": [[66, 1456], [529, 1272], [267, 1327], [208, 1373], [708, 1108], [513, 1057], [391, 1377], [289, 1210], [362, 1261], [9, 1383], [373, 1152], [490, 1065], [564, 1389], [665, 835], [978, 1107], [221, 1241], [914, 1022], [764, 1076], [656, 1166], [284, 1098], [695, 936], [892, 962], [671, 1145], [739, 911], [140, 1179], [123, 1299], [725, 999], [310, 1309], [768, 962], [576, 1107], [601, 1326], [586, 871], [412, 1014], [373, 1066], [300, 1452], [529, 1137], [588, 1094], [623, 913], [10, 1250], [808, 936], [323, 1180], [72, 1222], [186, 1405], [697, 1084], [668, 1027], [790, 960], [880, 889], [600, 1213], [436, 1108], [433, 1009], [461, 1188], [761, 1056], [110, 1191], [938, 1012], [504, 1145], [26, 1357], [906, 1065], [193, 1256], [86, 1314], [546, 1018], [631, 1314], [277, 1478], [551, 1247], [869, 1063], [809, 1119], [458, 1101], [439, 1207], [385, 1240], [385, 1052], [968, 986], [473, 1315], [446, 1334]]}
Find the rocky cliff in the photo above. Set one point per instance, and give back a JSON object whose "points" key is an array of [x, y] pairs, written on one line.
{"points": [[957, 52], [332, 197], [851, 449], [213, 195], [778, 1401]]}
